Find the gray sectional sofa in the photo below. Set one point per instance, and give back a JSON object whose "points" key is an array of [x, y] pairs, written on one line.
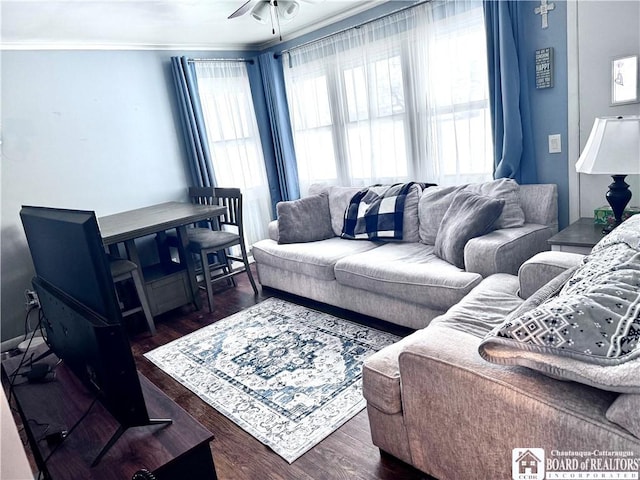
{"points": [[562, 378], [405, 282]]}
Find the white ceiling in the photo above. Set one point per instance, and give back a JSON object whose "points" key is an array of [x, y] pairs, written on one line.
{"points": [[152, 24]]}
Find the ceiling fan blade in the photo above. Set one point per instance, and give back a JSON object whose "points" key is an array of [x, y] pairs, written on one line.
{"points": [[243, 9]]}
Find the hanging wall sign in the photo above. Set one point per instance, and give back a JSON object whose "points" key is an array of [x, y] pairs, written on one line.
{"points": [[544, 68]]}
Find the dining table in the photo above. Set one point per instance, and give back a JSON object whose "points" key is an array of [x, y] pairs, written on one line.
{"points": [[169, 284]]}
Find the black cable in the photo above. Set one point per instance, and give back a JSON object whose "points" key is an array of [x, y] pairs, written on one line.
{"points": [[12, 377], [26, 321], [75, 425], [43, 334]]}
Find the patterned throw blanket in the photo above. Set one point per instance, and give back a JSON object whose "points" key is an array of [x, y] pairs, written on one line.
{"points": [[376, 213], [595, 316]]}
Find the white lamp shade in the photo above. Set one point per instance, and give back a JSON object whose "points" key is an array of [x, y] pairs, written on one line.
{"points": [[613, 147]]}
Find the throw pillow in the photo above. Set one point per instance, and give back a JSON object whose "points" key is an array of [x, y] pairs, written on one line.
{"points": [[379, 213], [433, 204], [624, 411], [304, 220], [468, 216], [339, 198], [435, 201], [410, 225], [589, 332], [507, 189]]}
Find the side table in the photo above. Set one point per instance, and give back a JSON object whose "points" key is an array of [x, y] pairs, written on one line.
{"points": [[579, 237]]}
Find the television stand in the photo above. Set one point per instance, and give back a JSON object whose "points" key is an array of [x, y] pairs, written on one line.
{"points": [[170, 451], [120, 431]]}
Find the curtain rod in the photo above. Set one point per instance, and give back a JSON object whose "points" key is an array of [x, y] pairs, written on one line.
{"points": [[247, 60], [329, 35]]}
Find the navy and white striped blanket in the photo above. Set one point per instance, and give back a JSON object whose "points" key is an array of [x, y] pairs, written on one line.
{"points": [[376, 213]]}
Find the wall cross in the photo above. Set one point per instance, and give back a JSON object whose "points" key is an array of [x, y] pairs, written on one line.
{"points": [[543, 10]]}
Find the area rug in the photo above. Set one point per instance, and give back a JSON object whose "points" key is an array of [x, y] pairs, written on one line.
{"points": [[288, 375]]}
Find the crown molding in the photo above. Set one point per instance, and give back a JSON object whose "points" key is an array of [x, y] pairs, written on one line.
{"points": [[124, 47], [272, 41]]}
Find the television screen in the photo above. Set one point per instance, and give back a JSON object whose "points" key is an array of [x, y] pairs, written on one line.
{"points": [[80, 310], [96, 351], [67, 252]]}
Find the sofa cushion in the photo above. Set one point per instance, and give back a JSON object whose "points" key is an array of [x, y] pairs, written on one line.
{"points": [[469, 216], [624, 412], [304, 220], [339, 198], [435, 201], [589, 332], [407, 271], [485, 306], [315, 259], [506, 189]]}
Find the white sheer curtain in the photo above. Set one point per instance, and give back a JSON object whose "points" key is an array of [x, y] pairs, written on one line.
{"points": [[401, 98], [234, 140]]}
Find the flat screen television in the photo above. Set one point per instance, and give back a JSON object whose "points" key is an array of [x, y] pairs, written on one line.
{"points": [[67, 251], [81, 315]]}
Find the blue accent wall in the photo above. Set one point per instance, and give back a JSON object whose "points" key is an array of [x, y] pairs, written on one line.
{"points": [[549, 105]]}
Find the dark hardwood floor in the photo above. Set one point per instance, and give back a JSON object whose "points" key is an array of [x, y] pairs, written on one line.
{"points": [[346, 454]]}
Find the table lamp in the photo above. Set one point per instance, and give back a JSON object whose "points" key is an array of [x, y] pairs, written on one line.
{"points": [[613, 148]]}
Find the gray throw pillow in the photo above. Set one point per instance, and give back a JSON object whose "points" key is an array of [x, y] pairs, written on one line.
{"points": [[469, 216], [339, 198], [506, 188], [624, 412], [304, 220], [435, 201]]}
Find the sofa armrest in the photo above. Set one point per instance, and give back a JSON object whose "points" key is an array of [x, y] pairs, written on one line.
{"points": [[446, 383], [273, 231], [544, 267], [504, 250]]}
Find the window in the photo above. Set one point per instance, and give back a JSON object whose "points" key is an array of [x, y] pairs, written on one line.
{"points": [[310, 106], [402, 98], [234, 140]]}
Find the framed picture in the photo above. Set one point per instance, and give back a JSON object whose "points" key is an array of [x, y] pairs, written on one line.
{"points": [[624, 80]]}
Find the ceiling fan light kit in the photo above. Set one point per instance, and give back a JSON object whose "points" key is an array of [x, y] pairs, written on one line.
{"points": [[275, 12], [286, 10], [261, 12]]}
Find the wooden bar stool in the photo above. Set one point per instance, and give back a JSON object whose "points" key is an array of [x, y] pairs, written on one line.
{"points": [[121, 270]]}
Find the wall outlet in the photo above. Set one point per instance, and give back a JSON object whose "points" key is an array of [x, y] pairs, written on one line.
{"points": [[32, 299], [555, 143]]}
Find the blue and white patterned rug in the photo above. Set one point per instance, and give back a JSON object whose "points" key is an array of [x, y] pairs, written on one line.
{"points": [[288, 375]]}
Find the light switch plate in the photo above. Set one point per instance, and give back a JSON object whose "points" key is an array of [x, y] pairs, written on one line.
{"points": [[555, 143]]}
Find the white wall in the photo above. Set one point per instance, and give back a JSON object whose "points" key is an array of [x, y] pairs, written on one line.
{"points": [[605, 29], [91, 130]]}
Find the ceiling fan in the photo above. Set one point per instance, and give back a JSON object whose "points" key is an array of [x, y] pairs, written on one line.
{"points": [[260, 10]]}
